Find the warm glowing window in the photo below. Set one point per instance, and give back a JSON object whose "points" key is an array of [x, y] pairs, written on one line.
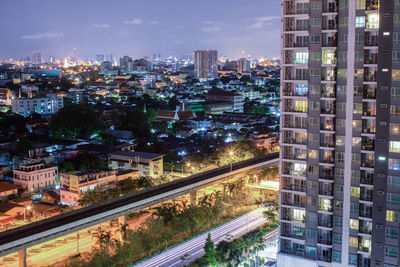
{"points": [[353, 241], [301, 106], [395, 128], [328, 56], [354, 223], [392, 216], [394, 146], [313, 154], [372, 21], [355, 191], [396, 75]]}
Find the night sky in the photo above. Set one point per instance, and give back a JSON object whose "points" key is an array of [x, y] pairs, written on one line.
{"points": [[139, 27]]}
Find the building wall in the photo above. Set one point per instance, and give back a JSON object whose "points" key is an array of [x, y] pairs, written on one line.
{"points": [[35, 179], [330, 147], [46, 105]]}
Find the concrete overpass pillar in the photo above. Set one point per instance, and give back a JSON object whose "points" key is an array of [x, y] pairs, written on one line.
{"points": [[122, 220], [22, 258], [263, 195], [193, 197], [122, 225]]}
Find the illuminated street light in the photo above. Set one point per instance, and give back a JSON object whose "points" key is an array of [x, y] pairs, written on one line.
{"points": [[26, 208]]}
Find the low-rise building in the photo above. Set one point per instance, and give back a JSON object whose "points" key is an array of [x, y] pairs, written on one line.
{"points": [[149, 164], [75, 184], [265, 140], [7, 190], [6, 96], [34, 176], [42, 105]]}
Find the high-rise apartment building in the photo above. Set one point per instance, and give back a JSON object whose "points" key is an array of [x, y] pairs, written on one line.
{"points": [[36, 57], [206, 64], [340, 133], [244, 65]]}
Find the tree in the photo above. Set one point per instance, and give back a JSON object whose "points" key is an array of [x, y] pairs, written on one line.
{"points": [[23, 146], [228, 253], [75, 121], [92, 196], [210, 250]]}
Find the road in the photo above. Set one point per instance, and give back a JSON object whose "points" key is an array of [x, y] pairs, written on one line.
{"points": [[194, 247], [52, 251]]}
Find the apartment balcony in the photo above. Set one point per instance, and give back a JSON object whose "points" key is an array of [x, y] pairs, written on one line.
{"points": [[371, 59], [325, 173], [365, 211], [291, 202], [368, 144], [285, 231], [293, 251], [294, 125], [369, 78], [331, 25], [328, 77], [289, 8], [326, 257], [325, 192], [369, 111], [324, 240], [327, 143], [301, 44], [325, 221], [365, 227], [367, 163], [328, 94], [371, 5], [330, 8], [366, 194], [367, 178], [328, 111], [371, 94], [294, 187]]}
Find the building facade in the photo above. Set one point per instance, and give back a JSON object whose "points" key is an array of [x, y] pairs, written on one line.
{"points": [[340, 142], [148, 164], [75, 184], [206, 64], [34, 176], [42, 105], [244, 65]]}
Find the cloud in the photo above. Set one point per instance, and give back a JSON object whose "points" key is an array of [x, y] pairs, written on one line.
{"points": [[44, 35], [263, 21], [101, 26], [134, 21], [154, 22], [212, 28]]}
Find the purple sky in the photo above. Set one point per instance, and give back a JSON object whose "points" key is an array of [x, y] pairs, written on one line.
{"points": [[139, 27]]}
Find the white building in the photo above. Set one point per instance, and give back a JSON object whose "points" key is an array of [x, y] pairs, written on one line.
{"points": [[41, 105], [33, 176]]}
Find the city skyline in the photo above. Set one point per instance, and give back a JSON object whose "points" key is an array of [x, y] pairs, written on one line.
{"points": [[139, 29]]}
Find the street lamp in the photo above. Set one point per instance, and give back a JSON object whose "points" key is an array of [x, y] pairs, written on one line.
{"points": [[26, 208]]}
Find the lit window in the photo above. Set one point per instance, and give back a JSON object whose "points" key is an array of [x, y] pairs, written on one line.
{"points": [[353, 241], [396, 75], [394, 146], [313, 154], [301, 89], [372, 21], [394, 164], [354, 223], [328, 57], [360, 22], [301, 58], [392, 216], [355, 191]]}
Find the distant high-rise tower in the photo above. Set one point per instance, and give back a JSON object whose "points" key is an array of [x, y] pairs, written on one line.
{"points": [[100, 58], [36, 57], [126, 64], [244, 65], [206, 64], [340, 133]]}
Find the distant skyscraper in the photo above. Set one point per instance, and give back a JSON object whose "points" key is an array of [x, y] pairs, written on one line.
{"points": [[206, 64], [36, 57], [100, 58], [340, 129], [126, 64], [244, 65]]}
